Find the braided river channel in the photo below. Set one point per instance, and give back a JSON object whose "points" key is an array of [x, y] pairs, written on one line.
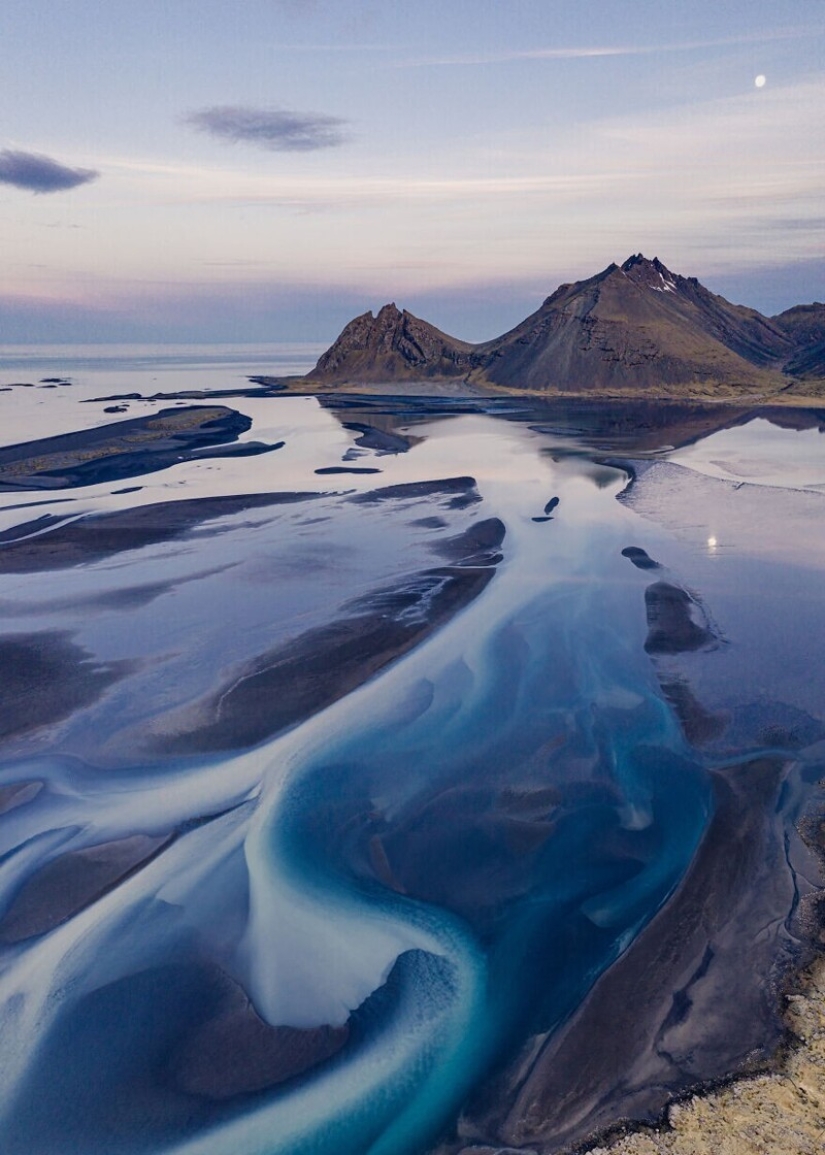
{"points": [[392, 775]]}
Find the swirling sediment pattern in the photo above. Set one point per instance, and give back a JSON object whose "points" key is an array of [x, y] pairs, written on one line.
{"points": [[329, 934]]}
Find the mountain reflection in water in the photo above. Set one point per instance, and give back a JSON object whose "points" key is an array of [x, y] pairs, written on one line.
{"points": [[433, 781]]}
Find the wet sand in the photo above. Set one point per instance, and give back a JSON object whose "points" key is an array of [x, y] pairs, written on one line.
{"points": [[98, 536], [694, 999], [235, 1052], [289, 684], [462, 489], [47, 677], [71, 882], [649, 1030], [125, 449], [778, 1114], [671, 621]]}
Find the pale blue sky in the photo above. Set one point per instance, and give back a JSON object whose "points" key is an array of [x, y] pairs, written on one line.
{"points": [[471, 156]]}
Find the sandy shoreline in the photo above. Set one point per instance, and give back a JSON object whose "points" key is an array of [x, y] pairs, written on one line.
{"points": [[792, 395], [782, 1113]]}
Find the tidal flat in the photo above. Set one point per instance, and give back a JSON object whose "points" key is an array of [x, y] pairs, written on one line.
{"points": [[448, 780]]}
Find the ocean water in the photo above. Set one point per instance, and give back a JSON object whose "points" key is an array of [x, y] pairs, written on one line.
{"points": [[316, 815], [219, 366]]}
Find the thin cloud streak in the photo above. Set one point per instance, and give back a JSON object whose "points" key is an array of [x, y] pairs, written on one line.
{"points": [[41, 174], [197, 185], [277, 129], [597, 51]]}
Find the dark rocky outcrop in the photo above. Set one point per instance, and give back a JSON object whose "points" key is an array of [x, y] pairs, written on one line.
{"points": [[637, 327], [393, 345]]}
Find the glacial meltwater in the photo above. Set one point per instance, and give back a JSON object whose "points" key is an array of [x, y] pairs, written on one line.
{"points": [[390, 775]]}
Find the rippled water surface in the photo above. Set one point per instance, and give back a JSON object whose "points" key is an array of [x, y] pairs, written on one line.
{"points": [[325, 812]]}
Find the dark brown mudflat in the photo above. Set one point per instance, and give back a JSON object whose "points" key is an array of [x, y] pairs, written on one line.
{"points": [[46, 677], [92, 538], [71, 882], [286, 685], [236, 1052], [651, 1028], [119, 449]]}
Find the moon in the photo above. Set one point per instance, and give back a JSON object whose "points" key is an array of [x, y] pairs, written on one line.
{"points": [[760, 81]]}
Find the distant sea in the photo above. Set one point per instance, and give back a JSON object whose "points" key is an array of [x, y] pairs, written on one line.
{"points": [[150, 368]]}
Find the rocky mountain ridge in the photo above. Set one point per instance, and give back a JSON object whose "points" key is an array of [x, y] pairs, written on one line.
{"points": [[390, 344], [805, 326], [632, 329]]}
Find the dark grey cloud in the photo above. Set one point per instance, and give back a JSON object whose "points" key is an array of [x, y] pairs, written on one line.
{"points": [[273, 128], [40, 174]]}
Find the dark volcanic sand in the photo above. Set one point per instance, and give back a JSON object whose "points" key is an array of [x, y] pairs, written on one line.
{"points": [[651, 1028], [235, 1052], [46, 677], [640, 557], [287, 685], [71, 882], [101, 535], [463, 488], [345, 469], [479, 545], [671, 614], [124, 449]]}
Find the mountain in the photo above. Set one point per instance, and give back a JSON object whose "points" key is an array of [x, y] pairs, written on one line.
{"points": [[636, 327], [392, 346], [635, 330], [805, 325]]}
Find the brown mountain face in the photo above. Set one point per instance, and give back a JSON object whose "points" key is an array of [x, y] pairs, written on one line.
{"points": [[805, 325], [392, 346], [637, 328]]}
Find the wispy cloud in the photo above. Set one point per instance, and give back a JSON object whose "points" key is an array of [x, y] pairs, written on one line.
{"points": [[278, 129], [706, 162], [586, 52], [41, 174]]}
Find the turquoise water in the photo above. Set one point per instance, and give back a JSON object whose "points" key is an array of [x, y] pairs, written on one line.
{"points": [[441, 863]]}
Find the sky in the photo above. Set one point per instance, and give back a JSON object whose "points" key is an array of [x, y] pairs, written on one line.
{"points": [[200, 170]]}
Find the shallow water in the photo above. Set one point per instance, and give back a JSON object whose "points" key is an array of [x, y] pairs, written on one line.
{"points": [[415, 793]]}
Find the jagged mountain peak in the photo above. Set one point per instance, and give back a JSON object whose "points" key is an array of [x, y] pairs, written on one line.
{"points": [[390, 344], [631, 328], [389, 312], [636, 259], [650, 274], [638, 327]]}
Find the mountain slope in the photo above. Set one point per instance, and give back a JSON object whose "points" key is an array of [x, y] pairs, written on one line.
{"points": [[391, 346], [633, 330], [805, 326], [641, 328]]}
